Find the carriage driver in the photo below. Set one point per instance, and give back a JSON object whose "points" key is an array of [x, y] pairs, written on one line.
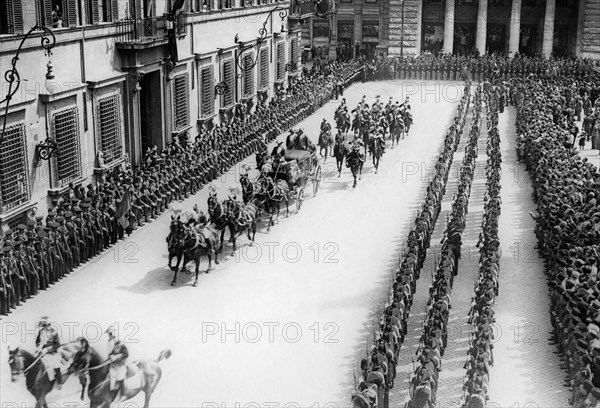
{"points": [[47, 344], [117, 357]]}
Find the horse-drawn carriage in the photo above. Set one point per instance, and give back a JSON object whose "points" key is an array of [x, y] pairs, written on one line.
{"points": [[298, 168]]}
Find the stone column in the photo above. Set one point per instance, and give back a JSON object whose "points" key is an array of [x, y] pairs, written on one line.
{"points": [[449, 27], [515, 28], [548, 40], [481, 26]]}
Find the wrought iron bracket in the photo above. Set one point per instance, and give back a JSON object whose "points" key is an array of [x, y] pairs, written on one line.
{"points": [[221, 88], [262, 32], [12, 77], [47, 149]]}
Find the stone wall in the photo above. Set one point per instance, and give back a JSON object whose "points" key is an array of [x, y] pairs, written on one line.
{"points": [[410, 42]]}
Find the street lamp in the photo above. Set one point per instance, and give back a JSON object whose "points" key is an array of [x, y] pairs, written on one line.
{"points": [[262, 32], [48, 40]]}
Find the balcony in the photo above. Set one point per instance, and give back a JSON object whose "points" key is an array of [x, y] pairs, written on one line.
{"points": [[148, 32], [300, 9]]}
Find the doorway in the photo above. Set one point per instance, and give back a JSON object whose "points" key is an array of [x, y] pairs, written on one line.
{"points": [[151, 126]]}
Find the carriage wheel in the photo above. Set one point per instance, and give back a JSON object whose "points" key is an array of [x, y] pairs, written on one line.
{"points": [[299, 198], [317, 180]]}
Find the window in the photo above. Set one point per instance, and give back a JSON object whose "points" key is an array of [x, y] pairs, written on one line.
{"points": [[14, 169], [264, 69], [69, 13], [248, 75], [108, 10], [109, 114], [92, 11], [65, 126], [280, 61], [294, 53], [44, 12], [181, 101], [207, 91], [227, 98], [11, 17]]}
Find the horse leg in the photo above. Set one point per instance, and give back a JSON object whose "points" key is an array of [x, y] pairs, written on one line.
{"points": [[197, 269], [83, 382]]}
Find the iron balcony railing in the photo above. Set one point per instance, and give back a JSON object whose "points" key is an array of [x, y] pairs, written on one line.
{"points": [[149, 28]]}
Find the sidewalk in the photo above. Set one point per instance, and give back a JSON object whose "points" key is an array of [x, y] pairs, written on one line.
{"points": [[526, 369]]}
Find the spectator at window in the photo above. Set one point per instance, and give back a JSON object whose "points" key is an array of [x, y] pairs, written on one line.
{"points": [[56, 16]]}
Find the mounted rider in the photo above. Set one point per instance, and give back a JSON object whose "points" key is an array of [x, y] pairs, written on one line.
{"points": [[117, 358], [425, 375], [379, 138], [47, 344], [278, 152], [325, 126]]}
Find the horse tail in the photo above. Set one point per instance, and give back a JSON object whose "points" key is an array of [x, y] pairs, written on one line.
{"points": [[165, 354]]}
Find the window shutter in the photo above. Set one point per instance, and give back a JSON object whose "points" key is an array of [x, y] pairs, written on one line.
{"points": [[114, 10], [264, 68], [207, 89], [228, 97], [69, 13], [15, 8], [294, 51], [92, 11], [248, 75], [181, 97], [44, 12], [280, 61]]}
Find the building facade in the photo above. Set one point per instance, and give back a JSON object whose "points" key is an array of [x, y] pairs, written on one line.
{"points": [[115, 83], [408, 27]]}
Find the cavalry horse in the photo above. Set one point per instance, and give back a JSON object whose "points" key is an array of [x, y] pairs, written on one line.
{"points": [[325, 142], [355, 160], [194, 245], [377, 152], [276, 192], [342, 121], [36, 377], [241, 218], [396, 129], [142, 375], [340, 150]]}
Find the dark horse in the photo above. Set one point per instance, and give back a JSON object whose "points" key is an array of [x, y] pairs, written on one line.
{"points": [[325, 141], [340, 149], [377, 152], [99, 390], [396, 129], [194, 245], [342, 121], [174, 244], [355, 161], [241, 218], [276, 192], [217, 217], [36, 378]]}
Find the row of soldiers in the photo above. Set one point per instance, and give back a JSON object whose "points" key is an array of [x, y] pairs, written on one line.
{"points": [[379, 370], [481, 314], [87, 220], [491, 67], [565, 191], [434, 339]]}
